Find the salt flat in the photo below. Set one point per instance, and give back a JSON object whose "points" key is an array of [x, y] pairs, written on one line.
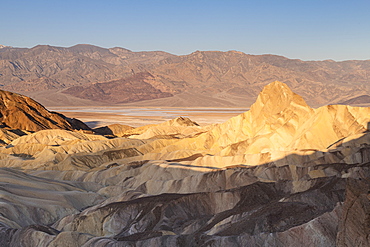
{"points": [[96, 116]]}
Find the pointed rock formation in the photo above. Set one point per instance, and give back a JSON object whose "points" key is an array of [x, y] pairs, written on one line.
{"points": [[276, 98], [280, 121], [276, 115]]}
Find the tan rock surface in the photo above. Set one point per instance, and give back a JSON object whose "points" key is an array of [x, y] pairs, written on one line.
{"points": [[281, 174]]}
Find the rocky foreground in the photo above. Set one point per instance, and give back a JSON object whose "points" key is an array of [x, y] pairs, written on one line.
{"points": [[281, 174]]}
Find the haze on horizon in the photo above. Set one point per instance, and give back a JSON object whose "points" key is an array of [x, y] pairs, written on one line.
{"points": [[308, 30]]}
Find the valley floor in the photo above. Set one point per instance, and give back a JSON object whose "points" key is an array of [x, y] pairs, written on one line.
{"points": [[97, 116]]}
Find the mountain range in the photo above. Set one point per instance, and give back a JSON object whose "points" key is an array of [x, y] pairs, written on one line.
{"points": [[91, 75]]}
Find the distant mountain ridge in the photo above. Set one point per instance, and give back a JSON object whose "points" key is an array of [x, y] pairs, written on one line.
{"points": [[231, 76]]}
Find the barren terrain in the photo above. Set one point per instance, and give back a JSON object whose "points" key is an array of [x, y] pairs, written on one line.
{"points": [[91, 75], [279, 174]]}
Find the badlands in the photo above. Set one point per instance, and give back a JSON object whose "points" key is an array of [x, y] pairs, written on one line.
{"points": [[280, 174]]}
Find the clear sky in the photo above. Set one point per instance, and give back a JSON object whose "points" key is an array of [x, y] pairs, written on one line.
{"points": [[304, 29]]}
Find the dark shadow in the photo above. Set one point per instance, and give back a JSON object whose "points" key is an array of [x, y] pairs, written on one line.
{"points": [[273, 197], [17, 132], [105, 130], [92, 124], [240, 204], [77, 124], [24, 156]]}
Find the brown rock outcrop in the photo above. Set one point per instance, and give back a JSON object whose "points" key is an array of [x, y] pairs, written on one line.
{"points": [[354, 227], [23, 113]]}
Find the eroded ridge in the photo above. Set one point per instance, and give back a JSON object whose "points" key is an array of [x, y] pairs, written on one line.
{"points": [[280, 174]]}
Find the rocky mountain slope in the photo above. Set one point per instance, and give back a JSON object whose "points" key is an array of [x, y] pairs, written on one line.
{"points": [[362, 99], [281, 174], [131, 89], [225, 78], [19, 112]]}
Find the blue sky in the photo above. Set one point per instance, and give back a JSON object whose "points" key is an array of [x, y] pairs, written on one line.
{"points": [[304, 29]]}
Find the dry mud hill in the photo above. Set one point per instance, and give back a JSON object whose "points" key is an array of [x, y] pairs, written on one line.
{"points": [[19, 112], [281, 174]]}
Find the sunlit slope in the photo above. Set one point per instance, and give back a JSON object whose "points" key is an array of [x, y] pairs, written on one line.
{"points": [[279, 123], [281, 174]]}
